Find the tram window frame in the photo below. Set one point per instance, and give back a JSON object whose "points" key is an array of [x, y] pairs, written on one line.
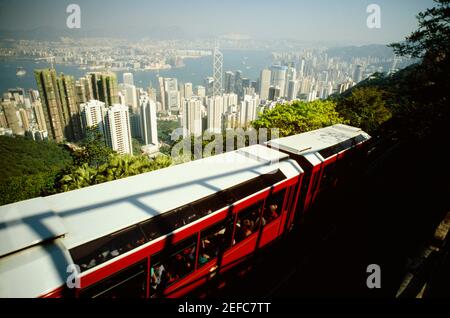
{"points": [[273, 196], [168, 222], [239, 219], [223, 245], [328, 176], [164, 258], [213, 203], [108, 284], [103, 249]]}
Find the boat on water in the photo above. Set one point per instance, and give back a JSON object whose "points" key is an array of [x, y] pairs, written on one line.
{"points": [[21, 71]]}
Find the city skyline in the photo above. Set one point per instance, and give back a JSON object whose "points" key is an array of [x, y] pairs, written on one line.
{"points": [[319, 21]]}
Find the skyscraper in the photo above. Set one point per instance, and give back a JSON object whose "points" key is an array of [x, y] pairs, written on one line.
{"points": [[229, 82], [104, 87], [264, 84], [171, 94], [200, 91], [214, 111], [24, 118], [292, 90], [161, 96], [229, 100], [209, 85], [128, 78], [39, 115], [148, 121], [69, 106], [51, 102], [278, 78], [118, 130], [238, 89], [217, 71], [358, 74], [12, 120], [301, 68], [192, 116], [173, 101], [248, 110], [274, 93], [135, 125], [130, 94], [188, 92], [92, 115]]}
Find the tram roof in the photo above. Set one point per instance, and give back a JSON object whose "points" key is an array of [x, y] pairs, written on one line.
{"points": [[309, 144]]}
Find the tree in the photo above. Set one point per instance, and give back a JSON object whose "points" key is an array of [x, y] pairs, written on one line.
{"points": [[298, 117], [429, 84], [117, 167], [431, 40], [365, 108], [94, 150], [80, 177]]}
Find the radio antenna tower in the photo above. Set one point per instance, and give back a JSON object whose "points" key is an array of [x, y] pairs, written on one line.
{"points": [[217, 70]]}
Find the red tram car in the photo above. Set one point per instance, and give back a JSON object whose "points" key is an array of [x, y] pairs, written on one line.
{"points": [[167, 232]]}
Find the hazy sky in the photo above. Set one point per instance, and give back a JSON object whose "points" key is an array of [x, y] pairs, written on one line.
{"points": [[309, 20]]}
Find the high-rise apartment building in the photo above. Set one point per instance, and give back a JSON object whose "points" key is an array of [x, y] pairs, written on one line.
{"points": [[104, 87], [187, 90], [264, 84], [128, 78], [292, 90], [278, 78], [214, 110], [93, 115], [11, 116], [229, 82], [148, 121], [192, 116], [70, 108], [46, 80], [248, 110], [118, 129]]}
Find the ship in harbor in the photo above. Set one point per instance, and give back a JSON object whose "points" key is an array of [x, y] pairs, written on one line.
{"points": [[21, 71]]}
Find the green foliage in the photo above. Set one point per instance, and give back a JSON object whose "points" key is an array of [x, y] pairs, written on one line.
{"points": [[424, 89], [21, 156], [431, 39], [165, 129], [18, 188], [94, 150], [117, 167], [298, 117], [137, 144], [29, 167], [365, 108]]}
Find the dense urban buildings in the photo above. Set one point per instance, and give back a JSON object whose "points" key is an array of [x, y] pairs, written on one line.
{"points": [[64, 107]]}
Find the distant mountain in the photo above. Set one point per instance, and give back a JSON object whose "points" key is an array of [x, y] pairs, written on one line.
{"points": [[46, 33], [374, 50]]}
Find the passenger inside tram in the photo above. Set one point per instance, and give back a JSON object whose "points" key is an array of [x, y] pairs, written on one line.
{"points": [[271, 213], [157, 274]]}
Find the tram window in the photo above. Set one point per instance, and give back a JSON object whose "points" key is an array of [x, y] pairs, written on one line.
{"points": [[274, 206], [213, 203], [172, 264], [328, 176], [248, 188], [272, 178], [213, 241], [128, 283], [167, 222], [257, 184], [248, 222], [105, 248]]}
